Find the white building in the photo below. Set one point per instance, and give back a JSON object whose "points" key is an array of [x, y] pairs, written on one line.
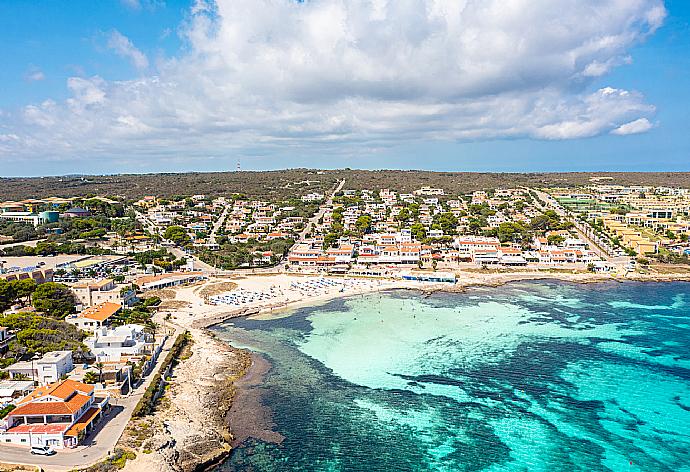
{"points": [[58, 415], [49, 368], [114, 343]]}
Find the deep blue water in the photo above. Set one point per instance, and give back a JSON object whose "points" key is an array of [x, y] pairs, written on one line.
{"points": [[526, 377]]}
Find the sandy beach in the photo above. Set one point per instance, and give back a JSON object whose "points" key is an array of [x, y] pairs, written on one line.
{"points": [[258, 295], [214, 402]]}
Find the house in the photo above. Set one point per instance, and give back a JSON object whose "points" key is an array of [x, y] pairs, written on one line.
{"points": [[5, 338], [111, 344], [171, 279], [57, 415], [36, 219], [49, 368], [97, 292], [12, 390], [303, 255], [39, 275], [94, 317], [76, 212], [429, 191], [263, 257]]}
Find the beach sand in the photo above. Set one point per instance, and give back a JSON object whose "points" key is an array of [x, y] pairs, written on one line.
{"points": [[220, 385]]}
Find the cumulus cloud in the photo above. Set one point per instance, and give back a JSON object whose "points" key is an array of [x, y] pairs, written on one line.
{"points": [[123, 47], [641, 125], [336, 74]]}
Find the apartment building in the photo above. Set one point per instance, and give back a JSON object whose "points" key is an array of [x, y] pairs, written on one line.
{"points": [[95, 317], [47, 369], [57, 415], [92, 293]]}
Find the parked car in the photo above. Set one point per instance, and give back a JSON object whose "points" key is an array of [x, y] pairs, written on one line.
{"points": [[42, 451]]}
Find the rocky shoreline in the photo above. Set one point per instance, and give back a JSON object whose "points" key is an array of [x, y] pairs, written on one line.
{"points": [[189, 432], [218, 388]]}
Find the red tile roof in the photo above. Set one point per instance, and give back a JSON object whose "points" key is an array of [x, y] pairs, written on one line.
{"points": [[53, 428]]}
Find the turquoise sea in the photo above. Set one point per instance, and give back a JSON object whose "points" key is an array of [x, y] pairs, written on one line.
{"points": [[534, 376]]}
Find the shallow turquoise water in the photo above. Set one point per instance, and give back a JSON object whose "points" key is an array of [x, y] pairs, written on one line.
{"points": [[526, 377]]}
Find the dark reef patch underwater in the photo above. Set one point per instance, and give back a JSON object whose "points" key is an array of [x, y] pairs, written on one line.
{"points": [[532, 376]]}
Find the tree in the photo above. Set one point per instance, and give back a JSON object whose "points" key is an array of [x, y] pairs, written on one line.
{"points": [[404, 215], [25, 288], [99, 366], [54, 299], [363, 223], [90, 377], [447, 221], [330, 239], [8, 294], [475, 225], [555, 239], [177, 234], [512, 232], [418, 231]]}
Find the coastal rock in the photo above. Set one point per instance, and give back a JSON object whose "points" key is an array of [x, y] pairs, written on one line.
{"points": [[189, 431]]}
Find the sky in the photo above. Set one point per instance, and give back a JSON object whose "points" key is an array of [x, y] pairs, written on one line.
{"points": [[133, 86]]}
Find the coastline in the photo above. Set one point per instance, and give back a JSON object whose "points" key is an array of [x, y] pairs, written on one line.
{"points": [[188, 431], [221, 385], [247, 416], [465, 280]]}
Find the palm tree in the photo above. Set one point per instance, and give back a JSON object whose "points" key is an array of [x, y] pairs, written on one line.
{"points": [[99, 366], [151, 328], [90, 377]]}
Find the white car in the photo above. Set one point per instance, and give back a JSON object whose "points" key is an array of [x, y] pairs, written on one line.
{"points": [[42, 451]]}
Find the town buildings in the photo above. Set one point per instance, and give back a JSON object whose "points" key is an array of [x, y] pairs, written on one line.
{"points": [[112, 344], [95, 317], [51, 367], [90, 293], [57, 415]]}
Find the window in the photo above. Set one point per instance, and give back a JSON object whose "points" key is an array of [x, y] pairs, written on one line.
{"points": [[23, 440]]}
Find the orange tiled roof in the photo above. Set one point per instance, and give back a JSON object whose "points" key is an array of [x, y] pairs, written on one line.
{"points": [[83, 422], [61, 389], [71, 406], [101, 312]]}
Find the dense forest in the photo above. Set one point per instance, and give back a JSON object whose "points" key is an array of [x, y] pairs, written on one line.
{"points": [[281, 184]]}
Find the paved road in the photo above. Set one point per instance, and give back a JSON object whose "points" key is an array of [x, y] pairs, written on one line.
{"points": [[148, 224], [321, 211], [219, 222], [99, 443], [553, 205], [31, 243], [198, 263]]}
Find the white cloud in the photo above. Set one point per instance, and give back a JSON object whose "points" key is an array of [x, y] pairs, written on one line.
{"points": [[123, 47], [329, 75], [133, 4], [140, 4], [641, 125], [34, 75]]}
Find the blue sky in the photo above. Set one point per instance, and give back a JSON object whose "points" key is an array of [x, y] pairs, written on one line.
{"points": [[511, 85]]}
